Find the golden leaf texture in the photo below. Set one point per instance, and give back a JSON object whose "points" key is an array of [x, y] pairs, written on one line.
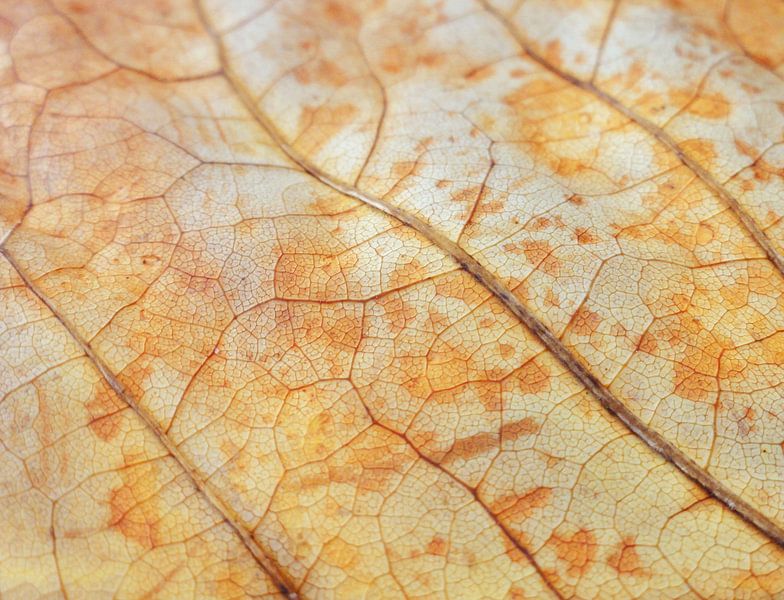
{"points": [[392, 299]]}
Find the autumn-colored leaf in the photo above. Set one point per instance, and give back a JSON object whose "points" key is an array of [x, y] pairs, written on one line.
{"points": [[375, 299]]}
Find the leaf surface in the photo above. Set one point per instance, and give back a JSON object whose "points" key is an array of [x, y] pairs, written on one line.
{"points": [[404, 299]]}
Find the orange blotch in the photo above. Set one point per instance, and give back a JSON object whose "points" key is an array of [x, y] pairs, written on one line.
{"points": [[745, 149], [626, 559], [578, 551], [711, 106], [531, 89], [324, 72], [552, 52], [340, 14], [103, 407], [107, 428], [135, 521], [648, 344], [406, 273], [403, 169], [701, 150], [694, 386]]}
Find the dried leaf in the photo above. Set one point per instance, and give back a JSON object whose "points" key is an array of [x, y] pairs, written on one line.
{"points": [[361, 298]]}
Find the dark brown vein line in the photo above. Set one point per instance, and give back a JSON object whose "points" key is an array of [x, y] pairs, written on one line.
{"points": [[658, 133], [613, 404], [264, 562]]}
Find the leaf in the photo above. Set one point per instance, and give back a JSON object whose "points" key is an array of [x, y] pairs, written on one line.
{"points": [[392, 299]]}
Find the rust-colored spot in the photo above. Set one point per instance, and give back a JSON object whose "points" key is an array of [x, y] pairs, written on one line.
{"points": [[584, 236], [585, 322], [532, 377], [437, 546], [108, 427], [403, 169], [626, 559], [535, 251], [103, 407], [578, 551], [472, 446], [517, 508], [552, 52], [745, 149], [506, 350], [746, 424], [512, 431], [465, 195]]}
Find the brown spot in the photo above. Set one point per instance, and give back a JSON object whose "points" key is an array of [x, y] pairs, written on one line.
{"points": [[437, 546], [626, 559], [578, 551], [585, 322], [506, 350], [512, 431], [576, 199]]}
